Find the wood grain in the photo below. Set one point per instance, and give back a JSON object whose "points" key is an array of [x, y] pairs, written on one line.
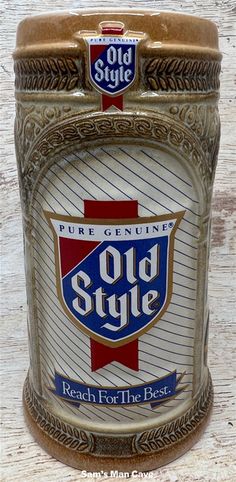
{"points": [[212, 459]]}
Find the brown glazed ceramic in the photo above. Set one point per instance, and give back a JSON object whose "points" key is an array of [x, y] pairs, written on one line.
{"points": [[117, 134]]}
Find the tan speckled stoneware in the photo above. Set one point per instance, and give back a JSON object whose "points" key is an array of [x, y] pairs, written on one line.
{"points": [[117, 134]]}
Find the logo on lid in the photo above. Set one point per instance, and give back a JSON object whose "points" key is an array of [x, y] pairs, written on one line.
{"points": [[112, 62]]}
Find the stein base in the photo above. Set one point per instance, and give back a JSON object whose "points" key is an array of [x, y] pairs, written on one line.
{"points": [[103, 461]]}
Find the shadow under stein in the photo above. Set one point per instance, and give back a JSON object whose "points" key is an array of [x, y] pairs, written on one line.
{"points": [[117, 134]]}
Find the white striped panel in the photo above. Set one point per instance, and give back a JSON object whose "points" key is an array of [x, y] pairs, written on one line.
{"points": [[116, 172]]}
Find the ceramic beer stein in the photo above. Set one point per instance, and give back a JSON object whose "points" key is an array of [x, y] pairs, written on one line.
{"points": [[117, 134]]}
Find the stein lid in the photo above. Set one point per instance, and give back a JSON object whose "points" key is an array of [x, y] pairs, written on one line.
{"points": [[163, 29]]}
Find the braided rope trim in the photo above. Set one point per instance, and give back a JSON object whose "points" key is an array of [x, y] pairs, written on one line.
{"points": [[173, 432], [42, 74], [167, 74], [182, 74], [63, 433]]}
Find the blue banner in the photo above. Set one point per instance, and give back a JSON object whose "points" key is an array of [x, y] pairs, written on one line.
{"points": [[152, 392]]}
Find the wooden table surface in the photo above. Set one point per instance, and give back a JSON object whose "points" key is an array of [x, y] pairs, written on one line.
{"points": [[213, 457]]}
